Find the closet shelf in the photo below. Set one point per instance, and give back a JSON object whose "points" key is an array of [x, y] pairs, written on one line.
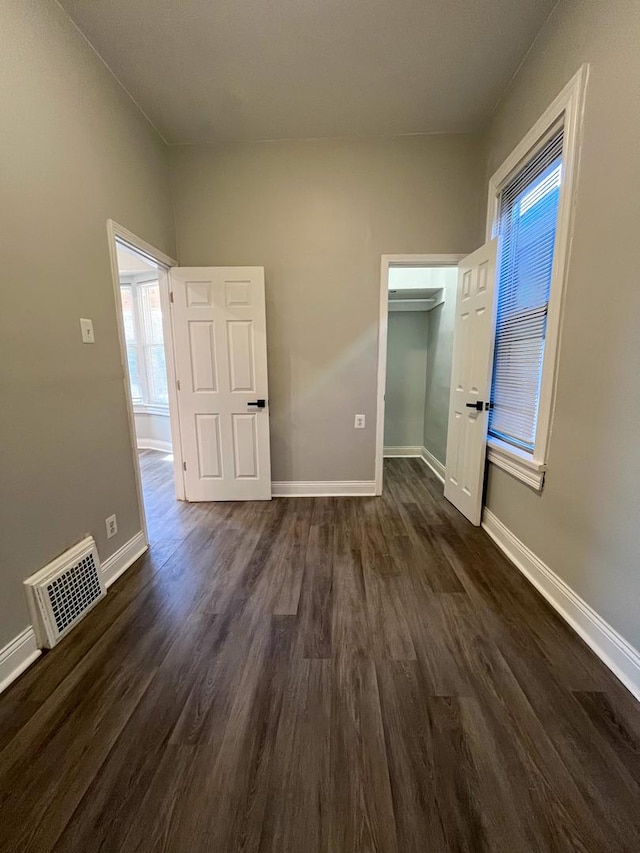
{"points": [[415, 299]]}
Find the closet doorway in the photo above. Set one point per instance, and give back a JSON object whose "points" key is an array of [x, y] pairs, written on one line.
{"points": [[417, 314]]}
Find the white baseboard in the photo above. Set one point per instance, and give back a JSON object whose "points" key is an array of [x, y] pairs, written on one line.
{"points": [[619, 655], [118, 563], [402, 451], [154, 444], [328, 488], [17, 655], [435, 464], [418, 452]]}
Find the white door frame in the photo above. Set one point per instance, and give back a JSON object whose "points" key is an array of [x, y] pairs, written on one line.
{"points": [[386, 262], [164, 262]]}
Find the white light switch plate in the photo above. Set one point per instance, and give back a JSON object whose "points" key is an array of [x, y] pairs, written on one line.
{"points": [[86, 327]]}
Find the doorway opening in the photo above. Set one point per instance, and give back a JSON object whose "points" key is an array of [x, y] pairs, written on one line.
{"points": [[141, 290], [146, 359], [417, 315]]}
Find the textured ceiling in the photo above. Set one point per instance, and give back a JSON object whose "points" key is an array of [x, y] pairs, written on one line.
{"points": [[215, 70]]}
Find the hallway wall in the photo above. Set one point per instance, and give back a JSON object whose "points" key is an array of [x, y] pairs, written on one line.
{"points": [[75, 152], [318, 215], [584, 524], [406, 378]]}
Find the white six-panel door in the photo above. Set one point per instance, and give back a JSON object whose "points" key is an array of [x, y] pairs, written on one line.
{"points": [[471, 381], [219, 329]]}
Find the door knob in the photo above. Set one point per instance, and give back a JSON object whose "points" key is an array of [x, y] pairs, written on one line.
{"points": [[479, 405], [259, 404]]}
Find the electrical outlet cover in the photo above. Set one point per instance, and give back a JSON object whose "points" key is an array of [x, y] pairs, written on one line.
{"points": [[111, 524]]}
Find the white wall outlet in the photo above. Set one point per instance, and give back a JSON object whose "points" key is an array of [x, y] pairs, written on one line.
{"points": [[360, 422], [86, 327], [111, 525]]}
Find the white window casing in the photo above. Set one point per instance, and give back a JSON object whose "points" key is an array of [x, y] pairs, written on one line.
{"points": [[565, 114]]}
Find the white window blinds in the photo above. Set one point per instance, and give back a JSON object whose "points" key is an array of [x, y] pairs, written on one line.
{"points": [[142, 314], [153, 343], [527, 217], [128, 315]]}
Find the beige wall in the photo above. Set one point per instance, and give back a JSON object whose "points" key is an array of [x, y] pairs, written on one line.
{"points": [[406, 378], [318, 215], [439, 357], [585, 524], [75, 151]]}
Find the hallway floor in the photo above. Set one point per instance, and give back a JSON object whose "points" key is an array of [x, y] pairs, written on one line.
{"points": [[333, 674]]}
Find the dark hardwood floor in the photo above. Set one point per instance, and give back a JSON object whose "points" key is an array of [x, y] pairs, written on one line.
{"points": [[335, 674]]}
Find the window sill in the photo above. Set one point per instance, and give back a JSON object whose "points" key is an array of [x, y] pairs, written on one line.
{"points": [[150, 409], [516, 462]]}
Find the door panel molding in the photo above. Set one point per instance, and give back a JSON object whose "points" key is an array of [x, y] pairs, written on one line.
{"points": [[473, 341], [219, 328]]}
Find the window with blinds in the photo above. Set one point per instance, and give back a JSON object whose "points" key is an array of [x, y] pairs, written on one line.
{"points": [[527, 220], [152, 343], [142, 315], [128, 315]]}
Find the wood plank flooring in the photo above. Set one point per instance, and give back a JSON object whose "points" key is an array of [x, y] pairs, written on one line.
{"points": [[341, 675]]}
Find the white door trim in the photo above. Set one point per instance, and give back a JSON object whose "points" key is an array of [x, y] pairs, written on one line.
{"points": [[386, 262], [164, 262]]}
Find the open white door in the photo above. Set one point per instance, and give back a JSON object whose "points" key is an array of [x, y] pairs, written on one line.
{"points": [[471, 381], [220, 337]]}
